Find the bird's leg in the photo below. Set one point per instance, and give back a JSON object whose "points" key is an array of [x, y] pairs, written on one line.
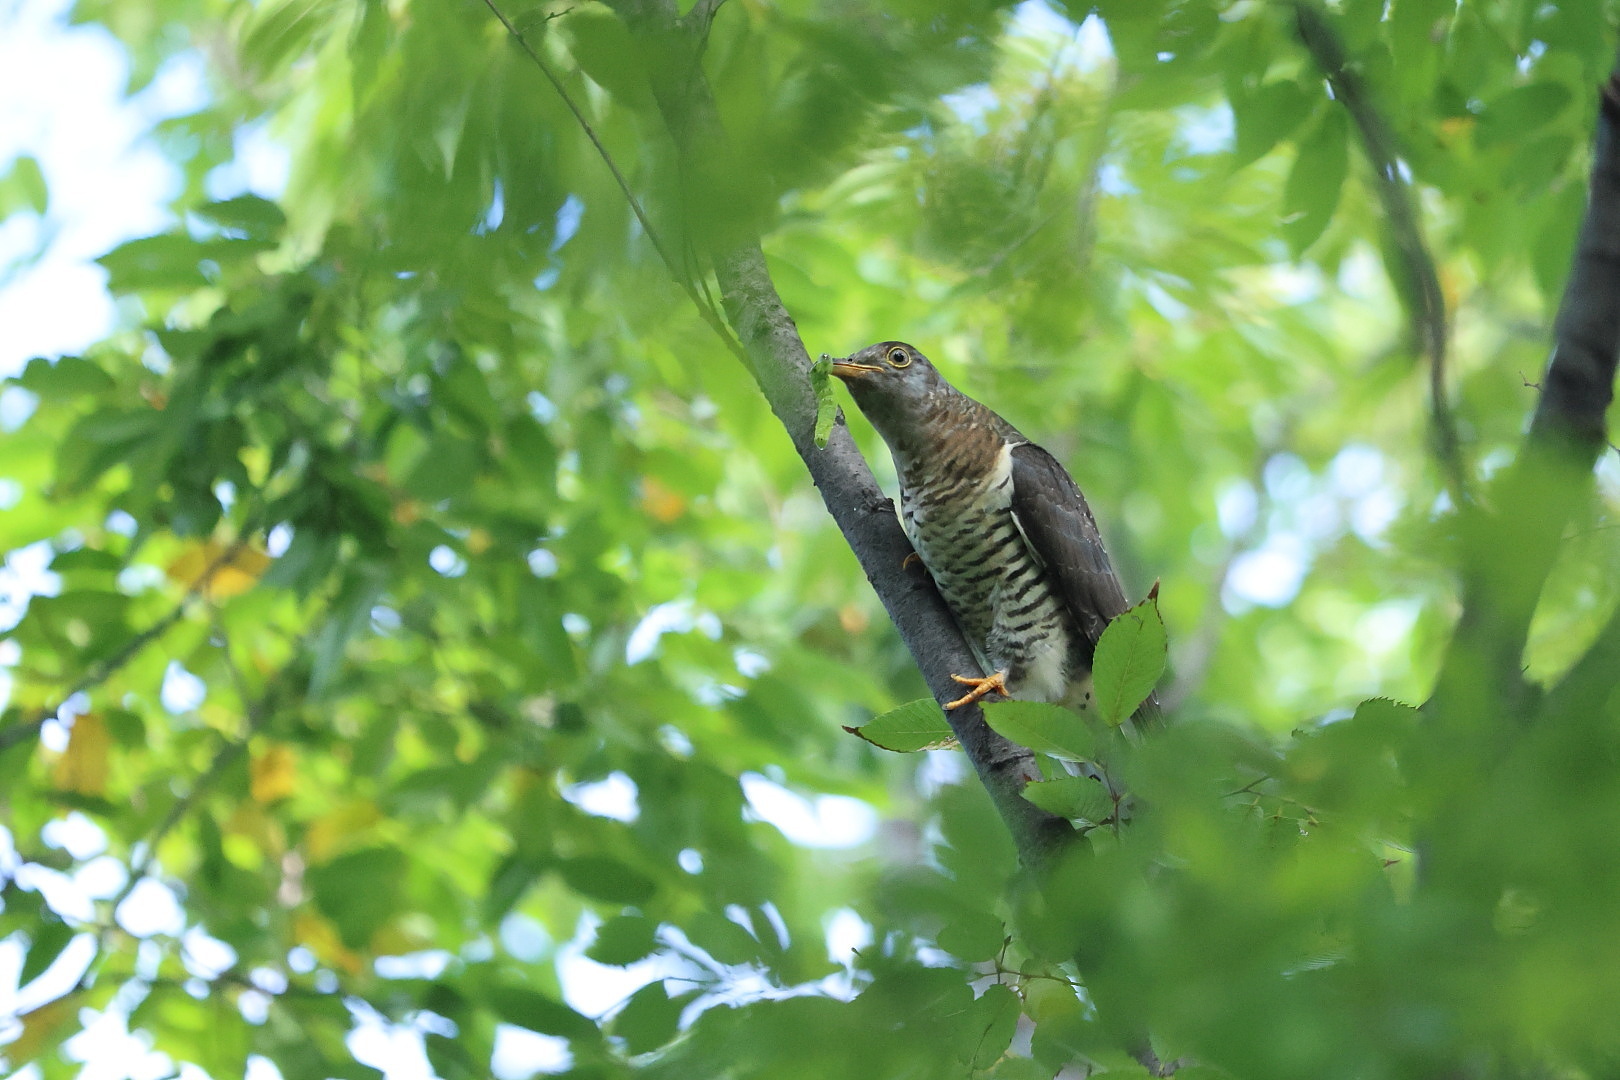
{"points": [[991, 684]]}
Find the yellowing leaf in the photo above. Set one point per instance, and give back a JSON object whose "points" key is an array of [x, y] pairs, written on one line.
{"points": [[82, 768], [316, 933], [42, 1029], [232, 577], [660, 502], [329, 834], [273, 774], [407, 934], [252, 836]]}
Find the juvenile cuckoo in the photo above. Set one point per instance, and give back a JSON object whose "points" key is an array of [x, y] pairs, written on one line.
{"points": [[999, 524]]}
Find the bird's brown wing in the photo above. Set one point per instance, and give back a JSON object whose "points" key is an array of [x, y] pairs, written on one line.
{"points": [[1059, 528]]}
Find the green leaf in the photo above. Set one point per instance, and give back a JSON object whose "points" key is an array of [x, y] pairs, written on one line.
{"points": [[605, 879], [624, 939], [359, 891], [826, 404], [1130, 659], [722, 939], [1509, 116], [46, 941], [1078, 798], [916, 725], [23, 187], [208, 1031], [538, 1012], [173, 261], [1321, 163], [1265, 117], [102, 439], [988, 1025], [446, 469], [64, 379], [1388, 717], [974, 936], [1043, 728], [246, 214], [604, 49], [649, 1019]]}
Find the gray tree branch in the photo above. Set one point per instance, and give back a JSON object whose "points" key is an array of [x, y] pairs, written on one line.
{"points": [[781, 367], [1509, 551], [1411, 265]]}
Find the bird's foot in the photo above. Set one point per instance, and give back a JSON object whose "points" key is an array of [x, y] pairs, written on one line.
{"points": [[910, 560], [990, 684]]}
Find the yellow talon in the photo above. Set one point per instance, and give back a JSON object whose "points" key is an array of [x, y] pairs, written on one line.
{"points": [[905, 563], [990, 684]]}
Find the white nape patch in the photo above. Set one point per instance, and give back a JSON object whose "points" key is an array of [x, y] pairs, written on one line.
{"points": [[1001, 475]]}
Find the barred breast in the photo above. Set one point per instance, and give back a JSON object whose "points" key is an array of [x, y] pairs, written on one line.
{"points": [[962, 525]]}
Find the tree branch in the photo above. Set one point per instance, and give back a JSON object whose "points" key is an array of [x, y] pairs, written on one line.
{"points": [[703, 14], [1508, 554], [13, 734], [1413, 269], [781, 366]]}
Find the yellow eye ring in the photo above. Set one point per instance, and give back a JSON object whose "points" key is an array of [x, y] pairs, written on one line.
{"points": [[899, 358]]}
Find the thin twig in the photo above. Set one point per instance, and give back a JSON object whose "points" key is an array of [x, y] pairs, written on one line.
{"points": [[705, 309], [256, 712], [15, 733], [1417, 280], [1507, 556]]}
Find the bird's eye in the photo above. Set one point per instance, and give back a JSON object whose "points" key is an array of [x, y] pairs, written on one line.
{"points": [[899, 358]]}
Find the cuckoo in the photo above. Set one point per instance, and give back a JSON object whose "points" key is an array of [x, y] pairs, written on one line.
{"points": [[999, 524]]}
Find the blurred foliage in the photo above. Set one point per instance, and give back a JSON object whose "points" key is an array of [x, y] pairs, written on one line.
{"points": [[415, 512]]}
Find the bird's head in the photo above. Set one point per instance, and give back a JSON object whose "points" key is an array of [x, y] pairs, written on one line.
{"points": [[894, 385]]}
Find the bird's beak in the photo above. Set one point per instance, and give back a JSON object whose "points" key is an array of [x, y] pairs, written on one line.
{"points": [[849, 369]]}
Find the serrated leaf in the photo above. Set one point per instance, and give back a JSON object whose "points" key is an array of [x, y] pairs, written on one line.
{"points": [[1129, 661], [1043, 728], [826, 404], [1384, 714], [916, 725], [989, 1024], [1078, 798]]}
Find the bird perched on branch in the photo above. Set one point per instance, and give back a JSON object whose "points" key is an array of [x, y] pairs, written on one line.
{"points": [[999, 524]]}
